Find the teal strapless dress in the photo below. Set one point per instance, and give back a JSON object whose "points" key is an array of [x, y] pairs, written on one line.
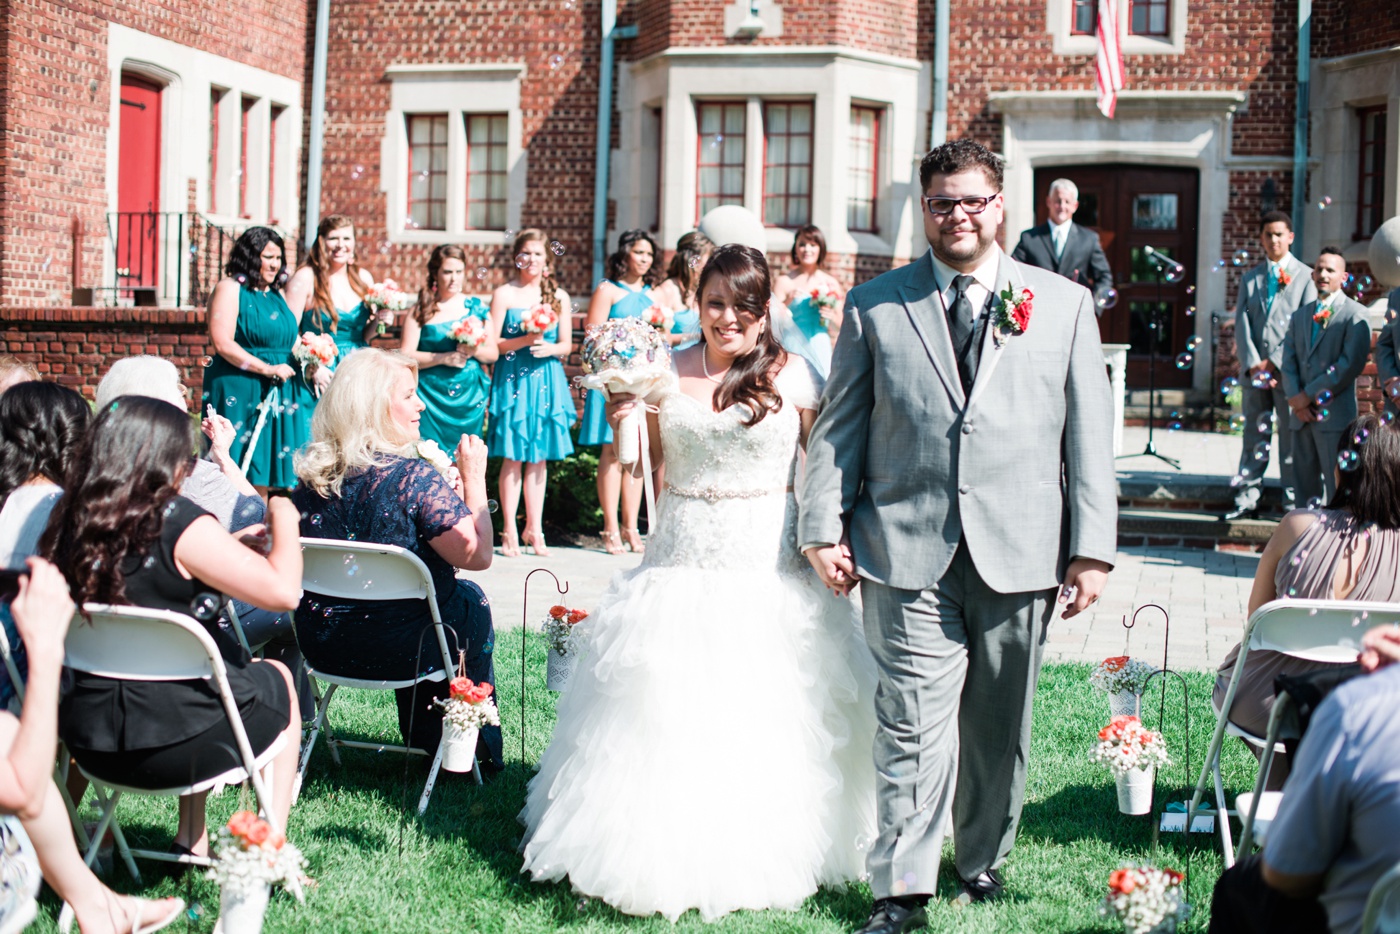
{"points": [[349, 330], [687, 321], [595, 428], [806, 314], [531, 406], [266, 329], [455, 396]]}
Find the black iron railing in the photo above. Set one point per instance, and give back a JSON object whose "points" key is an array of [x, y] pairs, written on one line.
{"points": [[166, 258]]}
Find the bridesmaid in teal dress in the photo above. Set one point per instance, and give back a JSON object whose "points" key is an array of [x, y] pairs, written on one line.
{"points": [[794, 289], [626, 293], [531, 405], [253, 330], [452, 379], [677, 293], [331, 289]]}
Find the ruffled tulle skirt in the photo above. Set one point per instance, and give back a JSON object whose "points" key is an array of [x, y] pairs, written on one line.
{"points": [[713, 750]]}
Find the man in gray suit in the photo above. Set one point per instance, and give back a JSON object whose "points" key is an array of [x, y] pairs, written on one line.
{"points": [[1388, 354], [1269, 294], [1062, 246], [1325, 351], [961, 469]]}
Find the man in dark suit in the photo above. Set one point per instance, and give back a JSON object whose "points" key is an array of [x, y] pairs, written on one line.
{"points": [[1062, 246]]}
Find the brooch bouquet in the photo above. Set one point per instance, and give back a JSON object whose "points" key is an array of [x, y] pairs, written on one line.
{"points": [[1013, 313], [1323, 315], [1147, 900], [627, 355]]}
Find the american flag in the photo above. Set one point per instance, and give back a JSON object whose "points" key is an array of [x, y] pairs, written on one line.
{"points": [[1108, 65]]}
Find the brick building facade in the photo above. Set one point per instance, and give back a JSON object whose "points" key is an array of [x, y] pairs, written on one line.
{"points": [[458, 122]]}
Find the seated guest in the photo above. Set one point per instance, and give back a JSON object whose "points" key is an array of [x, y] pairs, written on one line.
{"points": [[1338, 827], [31, 810], [14, 371], [123, 534], [1349, 550], [41, 425], [218, 486], [363, 481]]}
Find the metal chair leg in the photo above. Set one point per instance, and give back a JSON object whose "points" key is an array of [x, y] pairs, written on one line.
{"points": [[1227, 846]]}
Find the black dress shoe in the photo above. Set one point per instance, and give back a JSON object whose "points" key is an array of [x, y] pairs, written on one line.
{"points": [[987, 885], [895, 916], [1241, 512]]}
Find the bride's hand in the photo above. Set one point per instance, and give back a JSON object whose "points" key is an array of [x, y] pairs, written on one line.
{"points": [[619, 407]]}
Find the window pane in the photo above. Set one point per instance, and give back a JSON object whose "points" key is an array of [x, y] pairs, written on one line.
{"points": [[801, 118], [497, 188], [777, 118], [709, 120], [437, 215], [773, 211], [858, 215], [1159, 19], [801, 150], [774, 181], [1139, 19], [1154, 212], [733, 180], [734, 118], [777, 150], [476, 215], [799, 211], [707, 204], [799, 180], [498, 158], [709, 180], [476, 186]]}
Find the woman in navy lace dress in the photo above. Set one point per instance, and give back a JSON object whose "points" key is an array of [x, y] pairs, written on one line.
{"points": [[363, 481]]}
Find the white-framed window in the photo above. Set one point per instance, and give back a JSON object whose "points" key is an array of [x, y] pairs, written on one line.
{"points": [[863, 170], [1145, 27], [453, 161], [787, 163], [720, 154]]}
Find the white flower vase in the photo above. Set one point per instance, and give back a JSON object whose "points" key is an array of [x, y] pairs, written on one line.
{"points": [[1123, 704], [242, 912], [1135, 791], [559, 670], [458, 747]]}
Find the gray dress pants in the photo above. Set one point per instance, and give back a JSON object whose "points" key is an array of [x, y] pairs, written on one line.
{"points": [[1256, 402]]}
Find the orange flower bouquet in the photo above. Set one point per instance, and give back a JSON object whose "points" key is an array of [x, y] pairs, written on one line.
{"points": [[467, 708], [539, 319], [1147, 900], [1123, 680], [1133, 754], [249, 858], [563, 648]]}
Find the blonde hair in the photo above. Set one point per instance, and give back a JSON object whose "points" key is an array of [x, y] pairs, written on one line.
{"points": [[143, 375], [352, 428]]}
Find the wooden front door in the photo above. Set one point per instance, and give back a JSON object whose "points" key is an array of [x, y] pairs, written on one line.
{"points": [[136, 230], [1132, 207]]}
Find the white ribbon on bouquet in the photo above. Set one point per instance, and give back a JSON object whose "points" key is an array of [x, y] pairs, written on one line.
{"points": [[273, 397]]}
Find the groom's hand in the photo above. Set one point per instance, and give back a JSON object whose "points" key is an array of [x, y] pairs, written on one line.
{"points": [[1084, 581], [834, 566]]}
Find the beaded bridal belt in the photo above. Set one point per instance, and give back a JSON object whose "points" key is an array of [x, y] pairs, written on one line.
{"points": [[713, 495]]}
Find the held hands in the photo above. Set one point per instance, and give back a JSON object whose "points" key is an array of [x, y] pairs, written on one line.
{"points": [[834, 565], [543, 348], [455, 358], [1084, 581], [1264, 374], [1302, 407], [42, 611]]}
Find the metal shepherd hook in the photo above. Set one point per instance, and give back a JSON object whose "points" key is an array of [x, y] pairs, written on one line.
{"points": [[524, 626]]}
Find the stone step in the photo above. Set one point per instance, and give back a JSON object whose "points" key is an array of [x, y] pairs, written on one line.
{"points": [[1169, 490], [1181, 529]]}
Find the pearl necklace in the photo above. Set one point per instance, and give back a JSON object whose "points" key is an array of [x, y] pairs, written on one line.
{"points": [[705, 368]]}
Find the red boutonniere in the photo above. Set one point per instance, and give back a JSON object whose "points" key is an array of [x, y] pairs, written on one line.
{"points": [[1283, 278], [1013, 313], [1322, 316]]}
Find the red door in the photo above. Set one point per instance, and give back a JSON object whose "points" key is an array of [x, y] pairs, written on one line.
{"points": [[138, 183]]}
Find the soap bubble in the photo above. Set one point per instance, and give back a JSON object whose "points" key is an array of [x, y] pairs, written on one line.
{"points": [[1174, 273], [1314, 503], [522, 261], [1194, 342], [1228, 385], [1237, 422], [1347, 461], [1323, 414], [1365, 283], [1174, 422], [1387, 417], [1240, 258], [863, 843], [555, 61], [1261, 451], [556, 248], [205, 361], [204, 607], [1324, 202], [695, 262], [410, 223], [1265, 423], [1190, 311], [1184, 361], [493, 506], [356, 172], [716, 141], [384, 246], [316, 520], [1108, 299], [1219, 265], [230, 402], [1190, 290], [1361, 436], [1324, 396]]}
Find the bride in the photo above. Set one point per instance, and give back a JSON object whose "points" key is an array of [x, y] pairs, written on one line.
{"points": [[713, 750]]}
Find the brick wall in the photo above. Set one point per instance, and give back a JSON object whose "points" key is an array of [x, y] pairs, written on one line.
{"points": [[885, 26], [56, 91], [1345, 27]]}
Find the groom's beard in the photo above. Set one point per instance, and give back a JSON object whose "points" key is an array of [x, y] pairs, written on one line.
{"points": [[964, 252]]}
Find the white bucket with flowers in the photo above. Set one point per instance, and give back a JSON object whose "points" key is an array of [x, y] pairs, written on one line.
{"points": [[249, 858], [467, 708], [560, 634], [1145, 899], [1123, 679], [1133, 754]]}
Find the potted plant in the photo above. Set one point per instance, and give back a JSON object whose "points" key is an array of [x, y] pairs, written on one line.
{"points": [[467, 708], [249, 858], [1133, 754], [1122, 679], [1147, 900], [563, 648]]}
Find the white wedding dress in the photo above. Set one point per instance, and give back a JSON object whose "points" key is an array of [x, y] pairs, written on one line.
{"points": [[713, 749]]}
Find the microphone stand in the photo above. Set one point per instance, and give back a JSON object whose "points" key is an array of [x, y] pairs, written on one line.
{"points": [[1159, 264]]}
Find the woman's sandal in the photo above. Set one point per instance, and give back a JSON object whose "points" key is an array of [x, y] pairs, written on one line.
{"points": [[612, 542], [510, 548], [634, 541], [536, 542], [65, 924]]}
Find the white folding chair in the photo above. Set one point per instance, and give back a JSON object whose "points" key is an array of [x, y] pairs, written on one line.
{"points": [[1314, 630], [1382, 915], [130, 643], [367, 571]]}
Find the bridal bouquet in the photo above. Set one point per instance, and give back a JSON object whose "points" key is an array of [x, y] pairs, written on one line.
{"points": [[387, 295], [249, 856], [659, 318], [1145, 899], [313, 350], [1126, 745], [627, 355], [1121, 673], [469, 332], [539, 319], [559, 627]]}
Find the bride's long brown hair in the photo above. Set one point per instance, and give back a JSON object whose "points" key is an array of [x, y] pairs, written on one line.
{"points": [[750, 377]]}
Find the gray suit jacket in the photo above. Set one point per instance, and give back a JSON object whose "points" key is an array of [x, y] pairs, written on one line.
{"points": [[1259, 330], [1083, 260], [1332, 362], [1388, 346], [1022, 470]]}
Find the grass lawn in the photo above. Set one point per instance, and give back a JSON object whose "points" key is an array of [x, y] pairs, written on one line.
{"points": [[457, 868]]}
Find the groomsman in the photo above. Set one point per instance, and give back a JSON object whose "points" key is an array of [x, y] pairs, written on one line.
{"points": [[1324, 352], [1388, 354], [1269, 295], [1062, 246]]}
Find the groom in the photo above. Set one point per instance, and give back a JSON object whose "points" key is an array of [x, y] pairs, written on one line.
{"points": [[961, 469]]}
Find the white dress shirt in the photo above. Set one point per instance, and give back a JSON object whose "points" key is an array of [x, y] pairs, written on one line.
{"points": [[985, 275], [1059, 233]]}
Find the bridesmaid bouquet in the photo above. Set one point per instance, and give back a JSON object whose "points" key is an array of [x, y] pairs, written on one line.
{"points": [[313, 350], [1145, 899], [469, 332], [627, 355], [387, 295], [659, 318], [539, 319], [825, 298]]}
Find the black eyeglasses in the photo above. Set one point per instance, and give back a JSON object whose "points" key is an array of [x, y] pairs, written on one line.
{"points": [[943, 206]]}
